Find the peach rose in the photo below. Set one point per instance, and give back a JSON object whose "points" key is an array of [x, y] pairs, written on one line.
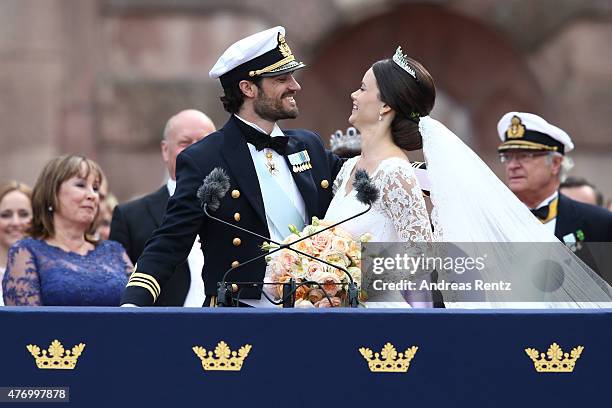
{"points": [[329, 282], [339, 244], [275, 269], [336, 258], [321, 241], [336, 302], [288, 259], [314, 267], [354, 251], [304, 246], [315, 295], [302, 292]]}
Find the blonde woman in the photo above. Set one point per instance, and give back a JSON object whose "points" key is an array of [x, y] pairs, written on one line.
{"points": [[15, 218]]}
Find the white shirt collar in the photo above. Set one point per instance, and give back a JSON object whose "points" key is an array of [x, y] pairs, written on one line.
{"points": [[171, 184], [276, 130], [548, 200]]}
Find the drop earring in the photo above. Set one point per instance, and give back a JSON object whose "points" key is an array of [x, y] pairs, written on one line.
{"points": [[380, 117]]}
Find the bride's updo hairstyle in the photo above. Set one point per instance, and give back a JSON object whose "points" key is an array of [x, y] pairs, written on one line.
{"points": [[406, 86]]}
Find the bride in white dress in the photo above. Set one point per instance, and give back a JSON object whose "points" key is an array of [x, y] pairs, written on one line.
{"points": [[471, 205], [387, 131]]}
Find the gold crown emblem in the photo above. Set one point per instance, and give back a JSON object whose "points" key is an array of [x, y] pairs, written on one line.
{"points": [[557, 362], [56, 357], [391, 361], [516, 130], [224, 359]]}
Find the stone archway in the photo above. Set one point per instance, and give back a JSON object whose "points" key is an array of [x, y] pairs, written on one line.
{"points": [[475, 66]]}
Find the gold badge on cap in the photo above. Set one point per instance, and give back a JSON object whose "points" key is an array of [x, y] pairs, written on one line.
{"points": [[283, 46], [516, 130], [300, 161]]}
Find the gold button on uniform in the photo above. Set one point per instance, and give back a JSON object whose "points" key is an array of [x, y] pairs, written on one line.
{"points": [[236, 241], [235, 264], [235, 193], [324, 183], [237, 216]]}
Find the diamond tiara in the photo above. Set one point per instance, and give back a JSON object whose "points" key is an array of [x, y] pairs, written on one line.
{"points": [[349, 140], [400, 59]]}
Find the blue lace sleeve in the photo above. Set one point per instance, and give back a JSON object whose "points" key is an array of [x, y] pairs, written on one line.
{"points": [[21, 284], [122, 256]]}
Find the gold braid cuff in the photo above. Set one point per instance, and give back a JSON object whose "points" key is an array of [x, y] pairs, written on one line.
{"points": [[147, 282]]}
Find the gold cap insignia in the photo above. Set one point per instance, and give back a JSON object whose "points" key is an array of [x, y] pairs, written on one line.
{"points": [[516, 130], [283, 46], [224, 359], [56, 357], [557, 362], [391, 361]]}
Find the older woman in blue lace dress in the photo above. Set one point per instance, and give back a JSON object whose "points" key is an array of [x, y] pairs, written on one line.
{"points": [[60, 264]]}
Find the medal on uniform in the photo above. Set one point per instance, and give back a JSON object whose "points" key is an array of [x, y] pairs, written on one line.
{"points": [[270, 165], [300, 161]]}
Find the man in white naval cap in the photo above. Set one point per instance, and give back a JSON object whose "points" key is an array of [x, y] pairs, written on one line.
{"points": [[276, 177], [532, 152]]}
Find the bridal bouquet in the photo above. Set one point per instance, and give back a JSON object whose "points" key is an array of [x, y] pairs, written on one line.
{"points": [[335, 246]]}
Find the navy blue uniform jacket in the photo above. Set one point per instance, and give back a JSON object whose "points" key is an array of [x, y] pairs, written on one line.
{"points": [[595, 226], [184, 218]]}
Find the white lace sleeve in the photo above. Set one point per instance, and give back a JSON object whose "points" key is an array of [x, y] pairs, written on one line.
{"points": [[402, 200]]}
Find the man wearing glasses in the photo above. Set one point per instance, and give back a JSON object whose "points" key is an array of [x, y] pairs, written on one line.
{"points": [[532, 152]]}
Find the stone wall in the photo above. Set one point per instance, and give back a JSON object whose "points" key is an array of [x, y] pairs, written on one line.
{"points": [[101, 77]]}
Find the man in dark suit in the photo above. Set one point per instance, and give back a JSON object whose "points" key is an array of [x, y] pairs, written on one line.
{"points": [[134, 222], [276, 177], [580, 189], [533, 152]]}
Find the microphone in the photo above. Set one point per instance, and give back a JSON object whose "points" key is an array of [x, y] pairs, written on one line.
{"points": [[213, 188], [216, 185]]}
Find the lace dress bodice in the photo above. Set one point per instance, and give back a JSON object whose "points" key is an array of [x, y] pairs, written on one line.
{"points": [[399, 215], [41, 274]]}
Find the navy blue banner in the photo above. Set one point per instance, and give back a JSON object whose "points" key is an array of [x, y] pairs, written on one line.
{"points": [[307, 358]]}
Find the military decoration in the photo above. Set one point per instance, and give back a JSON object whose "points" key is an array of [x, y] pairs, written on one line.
{"points": [[300, 161]]}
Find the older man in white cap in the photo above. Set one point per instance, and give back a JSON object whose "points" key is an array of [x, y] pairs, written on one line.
{"points": [[276, 177], [532, 151]]}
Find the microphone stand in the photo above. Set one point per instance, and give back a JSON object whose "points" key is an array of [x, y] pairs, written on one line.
{"points": [[224, 288]]}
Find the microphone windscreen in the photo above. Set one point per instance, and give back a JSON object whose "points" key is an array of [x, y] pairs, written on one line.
{"points": [[367, 192], [213, 188]]}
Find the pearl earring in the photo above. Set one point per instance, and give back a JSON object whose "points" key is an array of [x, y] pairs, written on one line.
{"points": [[50, 209], [380, 117]]}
